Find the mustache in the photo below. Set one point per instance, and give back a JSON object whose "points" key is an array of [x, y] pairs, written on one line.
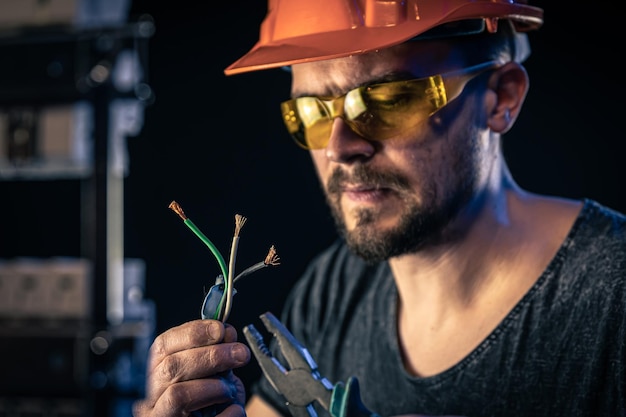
{"points": [[366, 176]]}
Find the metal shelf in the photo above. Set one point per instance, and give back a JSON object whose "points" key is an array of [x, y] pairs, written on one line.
{"points": [[43, 171], [104, 67]]}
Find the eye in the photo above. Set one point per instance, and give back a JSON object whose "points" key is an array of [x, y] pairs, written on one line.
{"points": [[388, 101], [393, 96]]}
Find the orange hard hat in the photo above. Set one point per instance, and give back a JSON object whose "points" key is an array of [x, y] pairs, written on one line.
{"points": [[296, 31]]}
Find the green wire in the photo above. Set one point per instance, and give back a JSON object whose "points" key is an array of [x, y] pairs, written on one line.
{"points": [[220, 260], [210, 245]]}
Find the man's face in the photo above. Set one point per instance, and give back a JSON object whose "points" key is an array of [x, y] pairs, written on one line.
{"points": [[409, 192]]}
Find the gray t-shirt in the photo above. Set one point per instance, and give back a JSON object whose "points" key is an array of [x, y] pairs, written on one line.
{"points": [[561, 351]]}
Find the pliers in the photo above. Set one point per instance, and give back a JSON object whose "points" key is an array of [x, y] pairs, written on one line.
{"points": [[302, 384]]}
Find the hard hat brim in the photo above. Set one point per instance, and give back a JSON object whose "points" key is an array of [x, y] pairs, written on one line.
{"points": [[286, 51]]}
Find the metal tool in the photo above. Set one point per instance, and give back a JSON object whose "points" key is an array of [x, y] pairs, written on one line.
{"points": [[302, 384]]}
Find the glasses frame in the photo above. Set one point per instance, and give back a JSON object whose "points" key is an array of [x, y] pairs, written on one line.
{"points": [[440, 90]]}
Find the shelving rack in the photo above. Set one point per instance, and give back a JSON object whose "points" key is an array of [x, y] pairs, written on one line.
{"points": [[100, 75]]}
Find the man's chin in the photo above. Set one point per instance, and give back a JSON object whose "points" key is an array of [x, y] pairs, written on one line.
{"points": [[370, 244]]}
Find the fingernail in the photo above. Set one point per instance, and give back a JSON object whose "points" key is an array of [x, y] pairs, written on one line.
{"points": [[239, 353], [214, 331]]}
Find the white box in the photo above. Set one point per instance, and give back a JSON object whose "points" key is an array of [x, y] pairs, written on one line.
{"points": [[29, 293], [68, 288], [7, 284], [17, 13], [35, 12]]}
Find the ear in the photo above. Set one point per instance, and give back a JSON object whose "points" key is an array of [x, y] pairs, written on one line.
{"points": [[509, 85]]}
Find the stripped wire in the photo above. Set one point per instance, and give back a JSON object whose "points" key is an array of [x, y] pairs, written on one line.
{"points": [[271, 259], [239, 222], [218, 256], [224, 288]]}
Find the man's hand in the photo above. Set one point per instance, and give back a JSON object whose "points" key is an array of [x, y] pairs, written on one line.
{"points": [[190, 368]]}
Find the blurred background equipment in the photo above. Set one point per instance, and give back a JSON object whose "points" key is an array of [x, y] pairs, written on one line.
{"points": [[74, 324]]}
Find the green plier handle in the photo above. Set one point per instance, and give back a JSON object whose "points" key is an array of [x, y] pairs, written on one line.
{"points": [[345, 401]]}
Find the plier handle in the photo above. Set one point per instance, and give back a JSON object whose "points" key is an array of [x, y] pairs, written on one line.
{"points": [[301, 384]]}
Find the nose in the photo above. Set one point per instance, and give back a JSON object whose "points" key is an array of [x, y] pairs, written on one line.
{"points": [[345, 145]]}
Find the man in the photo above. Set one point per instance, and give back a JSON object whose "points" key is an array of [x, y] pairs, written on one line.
{"points": [[452, 291]]}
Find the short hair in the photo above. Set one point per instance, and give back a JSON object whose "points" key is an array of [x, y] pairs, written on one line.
{"points": [[477, 44], [506, 44]]}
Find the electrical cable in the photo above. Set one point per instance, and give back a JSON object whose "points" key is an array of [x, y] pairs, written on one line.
{"points": [[220, 259], [271, 259], [239, 222], [224, 284]]}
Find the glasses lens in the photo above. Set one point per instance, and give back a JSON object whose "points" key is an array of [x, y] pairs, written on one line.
{"points": [[396, 107], [307, 121], [376, 112]]}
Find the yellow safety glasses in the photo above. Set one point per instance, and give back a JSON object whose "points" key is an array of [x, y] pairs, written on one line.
{"points": [[378, 111]]}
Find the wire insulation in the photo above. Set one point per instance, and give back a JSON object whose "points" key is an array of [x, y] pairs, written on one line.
{"points": [[239, 222], [218, 256], [224, 306]]}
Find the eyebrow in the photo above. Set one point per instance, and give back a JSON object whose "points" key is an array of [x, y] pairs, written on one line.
{"points": [[391, 76]]}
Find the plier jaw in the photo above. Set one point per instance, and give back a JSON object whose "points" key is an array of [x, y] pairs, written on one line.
{"points": [[300, 383]]}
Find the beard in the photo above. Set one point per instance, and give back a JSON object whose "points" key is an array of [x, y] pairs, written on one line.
{"points": [[420, 225]]}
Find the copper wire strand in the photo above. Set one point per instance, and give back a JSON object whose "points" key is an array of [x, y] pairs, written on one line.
{"points": [[218, 256], [178, 210], [271, 259], [239, 222]]}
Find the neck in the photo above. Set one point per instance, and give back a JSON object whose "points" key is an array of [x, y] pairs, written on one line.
{"points": [[507, 240], [453, 295], [457, 270]]}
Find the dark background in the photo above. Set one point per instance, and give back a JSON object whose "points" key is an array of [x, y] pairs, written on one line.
{"points": [[216, 145]]}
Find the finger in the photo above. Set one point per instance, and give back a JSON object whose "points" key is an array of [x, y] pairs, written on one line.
{"points": [[188, 335], [239, 388], [233, 410], [194, 395], [196, 363], [184, 353], [182, 398], [230, 334], [202, 362]]}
